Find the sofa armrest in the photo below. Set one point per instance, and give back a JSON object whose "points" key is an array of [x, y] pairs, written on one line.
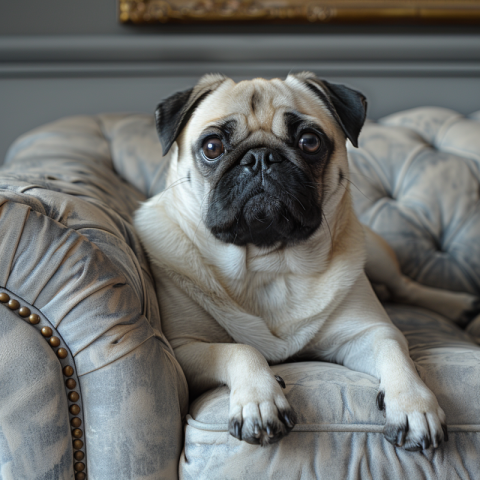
{"points": [[69, 254]]}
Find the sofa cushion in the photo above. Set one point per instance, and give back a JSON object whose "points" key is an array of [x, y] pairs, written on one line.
{"points": [[339, 431]]}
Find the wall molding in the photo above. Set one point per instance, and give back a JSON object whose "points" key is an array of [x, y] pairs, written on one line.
{"points": [[239, 55], [169, 69]]}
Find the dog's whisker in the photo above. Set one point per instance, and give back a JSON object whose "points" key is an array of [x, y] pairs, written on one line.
{"points": [[329, 231], [348, 180], [201, 217], [177, 182], [291, 194]]}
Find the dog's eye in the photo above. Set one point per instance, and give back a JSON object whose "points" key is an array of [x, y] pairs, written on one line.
{"points": [[213, 148], [309, 143]]}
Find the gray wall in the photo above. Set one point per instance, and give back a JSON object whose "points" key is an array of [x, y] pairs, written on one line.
{"points": [[65, 57]]}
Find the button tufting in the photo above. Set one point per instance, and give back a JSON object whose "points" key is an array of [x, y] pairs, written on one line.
{"points": [[24, 312], [13, 304], [4, 298]]}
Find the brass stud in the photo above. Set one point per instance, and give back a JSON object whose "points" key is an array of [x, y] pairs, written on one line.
{"points": [[24, 312], [62, 353], [46, 332], [13, 304], [4, 298], [79, 455], [77, 433], [75, 422], [73, 396], [71, 383], [54, 341], [74, 409], [68, 371], [79, 467], [77, 444], [80, 476], [34, 319]]}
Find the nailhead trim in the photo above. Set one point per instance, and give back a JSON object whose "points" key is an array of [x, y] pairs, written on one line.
{"points": [[54, 340]]}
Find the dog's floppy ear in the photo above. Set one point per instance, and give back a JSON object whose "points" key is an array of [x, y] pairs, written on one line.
{"points": [[347, 106], [173, 113]]}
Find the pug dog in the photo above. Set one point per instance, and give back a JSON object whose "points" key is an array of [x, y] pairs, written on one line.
{"points": [[258, 256]]}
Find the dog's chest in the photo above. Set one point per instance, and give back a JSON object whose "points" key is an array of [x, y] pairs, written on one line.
{"points": [[284, 302]]}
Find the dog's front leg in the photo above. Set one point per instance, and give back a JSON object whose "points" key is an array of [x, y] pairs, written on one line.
{"points": [[259, 412], [362, 337]]}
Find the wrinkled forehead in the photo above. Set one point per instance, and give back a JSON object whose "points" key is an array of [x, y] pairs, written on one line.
{"points": [[261, 105]]}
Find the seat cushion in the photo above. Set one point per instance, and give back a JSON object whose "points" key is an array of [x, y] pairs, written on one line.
{"points": [[339, 431]]}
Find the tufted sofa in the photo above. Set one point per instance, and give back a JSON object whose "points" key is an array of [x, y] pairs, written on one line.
{"points": [[89, 386]]}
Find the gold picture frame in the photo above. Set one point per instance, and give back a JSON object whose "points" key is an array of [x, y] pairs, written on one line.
{"points": [[295, 11]]}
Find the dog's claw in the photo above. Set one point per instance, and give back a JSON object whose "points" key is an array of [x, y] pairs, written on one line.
{"points": [[238, 432], [445, 433], [425, 443], [288, 421], [279, 379], [401, 438], [381, 400], [235, 429]]}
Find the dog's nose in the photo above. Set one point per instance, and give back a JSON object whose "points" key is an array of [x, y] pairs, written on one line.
{"points": [[260, 158]]}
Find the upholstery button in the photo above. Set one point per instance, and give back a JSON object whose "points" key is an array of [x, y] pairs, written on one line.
{"points": [[75, 422], [79, 455], [74, 409], [77, 433], [68, 371], [4, 298], [79, 466], [24, 312], [13, 304], [46, 332], [34, 319], [80, 476], [54, 341], [71, 383], [62, 353], [77, 444], [73, 396]]}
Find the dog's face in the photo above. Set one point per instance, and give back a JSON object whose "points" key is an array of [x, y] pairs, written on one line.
{"points": [[266, 154]]}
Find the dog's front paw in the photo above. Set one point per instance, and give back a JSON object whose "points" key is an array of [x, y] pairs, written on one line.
{"points": [[414, 420], [260, 414]]}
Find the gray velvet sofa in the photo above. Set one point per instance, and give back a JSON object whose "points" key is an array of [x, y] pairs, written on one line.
{"points": [[89, 386]]}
